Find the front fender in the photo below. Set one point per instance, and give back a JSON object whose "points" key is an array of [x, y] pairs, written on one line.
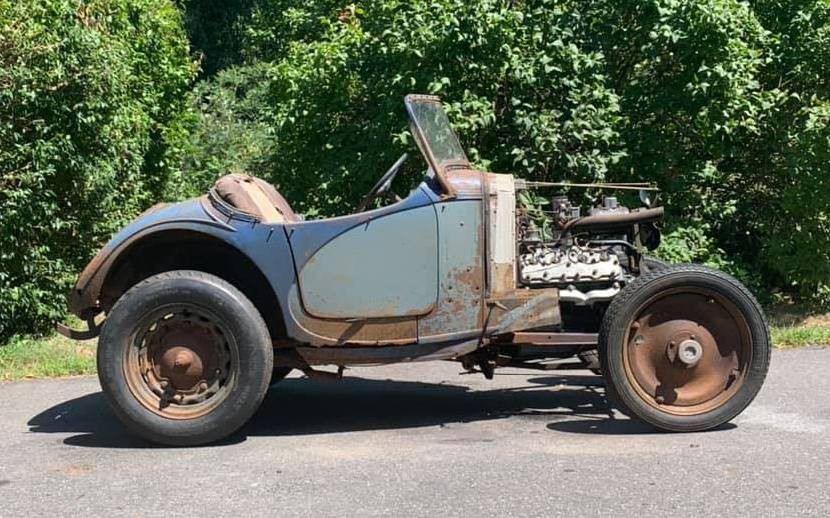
{"points": [[193, 215]]}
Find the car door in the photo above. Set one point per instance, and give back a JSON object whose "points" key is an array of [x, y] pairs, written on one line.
{"points": [[380, 264]]}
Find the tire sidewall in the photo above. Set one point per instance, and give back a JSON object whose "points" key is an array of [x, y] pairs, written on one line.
{"points": [[614, 330], [239, 317]]}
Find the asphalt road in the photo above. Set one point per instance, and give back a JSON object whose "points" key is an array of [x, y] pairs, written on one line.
{"points": [[419, 440]]}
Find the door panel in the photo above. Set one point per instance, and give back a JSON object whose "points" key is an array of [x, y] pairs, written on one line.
{"points": [[385, 267]]}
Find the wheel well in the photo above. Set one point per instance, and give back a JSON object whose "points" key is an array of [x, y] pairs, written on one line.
{"points": [[188, 250]]}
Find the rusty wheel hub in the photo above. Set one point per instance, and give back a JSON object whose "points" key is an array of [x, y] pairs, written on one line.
{"points": [[687, 351], [181, 363]]}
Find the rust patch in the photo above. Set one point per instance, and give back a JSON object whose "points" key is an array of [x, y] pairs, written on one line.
{"points": [[524, 309], [398, 330], [467, 183], [504, 279], [555, 339]]}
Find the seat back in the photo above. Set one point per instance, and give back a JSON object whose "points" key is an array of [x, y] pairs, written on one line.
{"points": [[256, 197]]}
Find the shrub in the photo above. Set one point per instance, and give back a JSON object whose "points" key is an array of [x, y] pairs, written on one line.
{"points": [[90, 97], [722, 103]]}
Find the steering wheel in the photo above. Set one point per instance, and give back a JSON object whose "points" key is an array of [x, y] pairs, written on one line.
{"points": [[384, 184]]}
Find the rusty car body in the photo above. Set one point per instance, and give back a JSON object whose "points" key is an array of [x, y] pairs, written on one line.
{"points": [[456, 270]]}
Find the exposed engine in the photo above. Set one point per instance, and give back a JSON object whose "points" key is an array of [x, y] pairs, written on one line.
{"points": [[587, 266]]}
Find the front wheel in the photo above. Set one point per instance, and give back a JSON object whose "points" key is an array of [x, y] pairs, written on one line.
{"points": [[184, 358], [684, 348]]}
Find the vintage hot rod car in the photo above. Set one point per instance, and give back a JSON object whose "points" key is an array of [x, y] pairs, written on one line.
{"points": [[209, 301]]}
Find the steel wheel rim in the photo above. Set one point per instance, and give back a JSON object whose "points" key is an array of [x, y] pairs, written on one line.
{"points": [[660, 341], [181, 362]]}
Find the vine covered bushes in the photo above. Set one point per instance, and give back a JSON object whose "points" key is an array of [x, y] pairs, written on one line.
{"points": [[90, 97], [724, 104]]}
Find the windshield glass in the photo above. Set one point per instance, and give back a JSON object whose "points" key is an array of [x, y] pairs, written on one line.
{"points": [[433, 131]]}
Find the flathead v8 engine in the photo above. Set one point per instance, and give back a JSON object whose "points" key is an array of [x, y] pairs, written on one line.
{"points": [[588, 258]]}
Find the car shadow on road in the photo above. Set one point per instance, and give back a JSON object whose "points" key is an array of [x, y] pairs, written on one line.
{"points": [[572, 403]]}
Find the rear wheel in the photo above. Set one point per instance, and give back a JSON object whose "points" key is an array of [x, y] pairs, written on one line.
{"points": [[184, 358], [684, 348]]}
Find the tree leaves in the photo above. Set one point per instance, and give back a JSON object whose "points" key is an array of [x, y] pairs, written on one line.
{"points": [[91, 92]]}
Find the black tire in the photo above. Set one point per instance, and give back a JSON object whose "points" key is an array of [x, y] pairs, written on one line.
{"points": [[225, 314], [659, 305], [279, 374], [652, 264]]}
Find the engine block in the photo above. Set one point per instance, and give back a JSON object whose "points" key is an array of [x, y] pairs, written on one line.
{"points": [[569, 265]]}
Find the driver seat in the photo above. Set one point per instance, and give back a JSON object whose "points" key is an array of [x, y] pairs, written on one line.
{"points": [[256, 197]]}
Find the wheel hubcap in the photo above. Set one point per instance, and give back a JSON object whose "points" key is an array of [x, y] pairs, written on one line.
{"points": [[687, 351], [181, 364]]}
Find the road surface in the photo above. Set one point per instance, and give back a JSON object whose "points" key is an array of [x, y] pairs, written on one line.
{"points": [[420, 440]]}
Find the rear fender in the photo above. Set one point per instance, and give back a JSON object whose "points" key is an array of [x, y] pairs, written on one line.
{"points": [[264, 245]]}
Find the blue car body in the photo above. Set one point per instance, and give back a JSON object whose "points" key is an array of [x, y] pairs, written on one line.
{"points": [[417, 276]]}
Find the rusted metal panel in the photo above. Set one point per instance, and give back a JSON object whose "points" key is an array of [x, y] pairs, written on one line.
{"points": [[467, 183], [383, 268], [373, 332], [350, 355], [521, 310], [460, 270], [555, 338]]}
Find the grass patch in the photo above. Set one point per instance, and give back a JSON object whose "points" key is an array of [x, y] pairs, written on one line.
{"points": [[51, 357], [798, 325], [787, 337]]}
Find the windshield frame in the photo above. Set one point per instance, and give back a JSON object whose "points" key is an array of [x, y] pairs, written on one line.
{"points": [[439, 168]]}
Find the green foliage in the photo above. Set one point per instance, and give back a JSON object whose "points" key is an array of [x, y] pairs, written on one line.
{"points": [[229, 127], [790, 337], [524, 93], [27, 357], [214, 30], [91, 95], [724, 104]]}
